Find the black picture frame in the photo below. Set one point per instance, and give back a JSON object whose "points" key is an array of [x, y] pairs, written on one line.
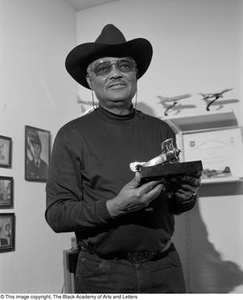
{"points": [[6, 192], [7, 232], [5, 151], [37, 153]]}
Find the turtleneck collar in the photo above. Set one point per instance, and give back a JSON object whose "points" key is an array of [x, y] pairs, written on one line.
{"points": [[109, 116]]}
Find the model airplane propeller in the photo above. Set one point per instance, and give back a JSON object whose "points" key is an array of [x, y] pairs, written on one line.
{"points": [[171, 102], [212, 97]]}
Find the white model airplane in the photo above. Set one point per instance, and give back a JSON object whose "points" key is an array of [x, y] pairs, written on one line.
{"points": [[86, 111], [170, 102]]}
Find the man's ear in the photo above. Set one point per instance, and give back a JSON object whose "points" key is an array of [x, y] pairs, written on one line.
{"points": [[89, 80], [136, 73]]}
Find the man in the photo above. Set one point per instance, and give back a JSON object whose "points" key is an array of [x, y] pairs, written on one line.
{"points": [[3, 240], [37, 168], [123, 227]]}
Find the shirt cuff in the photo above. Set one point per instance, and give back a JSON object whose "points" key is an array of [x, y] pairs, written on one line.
{"points": [[103, 211]]}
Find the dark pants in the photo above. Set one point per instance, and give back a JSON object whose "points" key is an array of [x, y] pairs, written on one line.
{"points": [[98, 275]]}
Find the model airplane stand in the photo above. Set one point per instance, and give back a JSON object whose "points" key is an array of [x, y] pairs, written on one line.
{"points": [[170, 169]]}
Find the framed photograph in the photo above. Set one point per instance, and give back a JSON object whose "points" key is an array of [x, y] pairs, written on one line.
{"points": [[37, 153], [6, 192], [7, 232], [5, 151]]}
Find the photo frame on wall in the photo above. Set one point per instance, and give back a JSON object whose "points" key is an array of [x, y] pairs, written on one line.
{"points": [[37, 153], [5, 152], [7, 232], [6, 192]]}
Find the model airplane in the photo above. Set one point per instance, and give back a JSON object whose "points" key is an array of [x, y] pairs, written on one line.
{"points": [[171, 102], [169, 154], [86, 111], [166, 164], [209, 173], [213, 96], [79, 100]]}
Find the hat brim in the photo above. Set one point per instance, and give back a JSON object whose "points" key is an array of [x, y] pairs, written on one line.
{"points": [[81, 56]]}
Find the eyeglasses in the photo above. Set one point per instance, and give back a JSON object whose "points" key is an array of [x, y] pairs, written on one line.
{"points": [[103, 68]]}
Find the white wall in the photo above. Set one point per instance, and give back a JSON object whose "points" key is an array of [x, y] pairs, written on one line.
{"points": [[197, 48], [197, 45], [35, 90]]}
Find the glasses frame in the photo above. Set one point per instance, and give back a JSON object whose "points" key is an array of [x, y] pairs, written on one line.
{"points": [[112, 62]]}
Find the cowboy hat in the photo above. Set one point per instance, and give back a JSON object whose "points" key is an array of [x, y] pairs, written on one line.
{"points": [[111, 42]]}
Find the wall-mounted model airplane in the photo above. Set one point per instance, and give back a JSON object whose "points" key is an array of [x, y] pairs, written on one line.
{"points": [[172, 102], [83, 110], [212, 97]]}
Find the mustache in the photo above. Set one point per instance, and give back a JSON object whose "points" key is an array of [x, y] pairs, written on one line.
{"points": [[116, 81]]}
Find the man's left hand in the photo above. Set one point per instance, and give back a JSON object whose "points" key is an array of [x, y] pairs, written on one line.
{"points": [[185, 186]]}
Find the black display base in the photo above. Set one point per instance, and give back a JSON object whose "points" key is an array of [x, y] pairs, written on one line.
{"points": [[159, 171]]}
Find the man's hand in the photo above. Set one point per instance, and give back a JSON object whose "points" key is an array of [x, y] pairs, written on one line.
{"points": [[134, 196], [185, 186]]}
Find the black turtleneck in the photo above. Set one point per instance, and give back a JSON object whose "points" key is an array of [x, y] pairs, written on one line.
{"points": [[89, 165]]}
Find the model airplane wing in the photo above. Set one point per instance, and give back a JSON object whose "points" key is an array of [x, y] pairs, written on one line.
{"points": [[170, 102], [81, 101], [172, 99]]}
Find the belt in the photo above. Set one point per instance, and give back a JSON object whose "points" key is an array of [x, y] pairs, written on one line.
{"points": [[136, 257]]}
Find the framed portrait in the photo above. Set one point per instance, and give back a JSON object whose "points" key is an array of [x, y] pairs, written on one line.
{"points": [[5, 151], [6, 192], [7, 232], [37, 153]]}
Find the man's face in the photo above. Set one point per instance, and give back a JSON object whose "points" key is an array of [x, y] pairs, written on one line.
{"points": [[114, 81], [36, 151]]}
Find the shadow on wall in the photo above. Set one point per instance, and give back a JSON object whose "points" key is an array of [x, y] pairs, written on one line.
{"points": [[145, 108], [209, 272]]}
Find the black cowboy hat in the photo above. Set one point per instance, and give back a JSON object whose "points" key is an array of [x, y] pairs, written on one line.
{"points": [[111, 42]]}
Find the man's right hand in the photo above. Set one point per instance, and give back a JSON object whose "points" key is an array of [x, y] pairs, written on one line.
{"points": [[134, 196]]}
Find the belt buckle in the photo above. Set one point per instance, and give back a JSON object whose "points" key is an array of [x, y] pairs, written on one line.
{"points": [[140, 257]]}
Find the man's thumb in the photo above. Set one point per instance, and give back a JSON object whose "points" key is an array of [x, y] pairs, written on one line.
{"points": [[137, 179]]}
